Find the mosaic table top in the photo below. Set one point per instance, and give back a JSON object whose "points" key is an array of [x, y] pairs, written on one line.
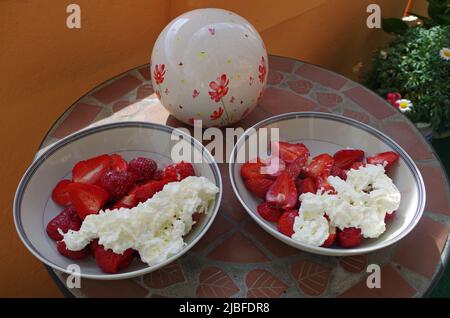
{"points": [[236, 258]]}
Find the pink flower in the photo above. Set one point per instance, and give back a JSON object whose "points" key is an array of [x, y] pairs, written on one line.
{"points": [[220, 88], [392, 98], [195, 93], [158, 73]]}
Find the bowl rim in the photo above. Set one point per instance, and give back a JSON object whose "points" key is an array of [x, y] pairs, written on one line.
{"points": [[40, 159], [339, 118]]}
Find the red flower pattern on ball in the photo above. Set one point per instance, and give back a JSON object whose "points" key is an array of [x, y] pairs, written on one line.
{"points": [[217, 114], [219, 88], [158, 73], [262, 70]]}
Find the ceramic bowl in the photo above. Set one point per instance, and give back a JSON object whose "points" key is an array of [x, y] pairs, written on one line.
{"points": [[34, 208], [327, 133]]}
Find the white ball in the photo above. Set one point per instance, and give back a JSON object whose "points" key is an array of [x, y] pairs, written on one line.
{"points": [[209, 64]]}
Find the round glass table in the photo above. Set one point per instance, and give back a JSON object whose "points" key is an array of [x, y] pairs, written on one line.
{"points": [[236, 258]]}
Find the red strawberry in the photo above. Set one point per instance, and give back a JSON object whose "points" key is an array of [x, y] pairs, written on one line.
{"points": [[295, 168], [338, 172], [389, 217], [286, 222], [307, 185], [62, 249], [87, 198], [349, 237], [91, 170], [159, 175], [258, 186], [272, 167], [109, 261], [268, 212], [117, 183], [60, 194], [282, 193], [118, 163], [346, 157], [178, 171], [143, 168], [250, 170], [289, 152], [331, 237], [320, 165], [357, 165], [129, 201], [147, 190], [388, 158], [323, 184], [66, 220]]}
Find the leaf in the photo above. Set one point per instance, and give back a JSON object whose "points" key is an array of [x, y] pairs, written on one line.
{"points": [[165, 277], [312, 278], [394, 25], [262, 284], [353, 264], [214, 282]]}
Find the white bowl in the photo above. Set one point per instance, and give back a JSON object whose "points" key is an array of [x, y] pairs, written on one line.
{"points": [[327, 133], [33, 207]]}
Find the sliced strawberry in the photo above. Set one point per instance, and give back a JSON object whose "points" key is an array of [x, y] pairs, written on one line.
{"points": [[117, 183], [268, 212], [346, 157], [385, 158], [320, 165], [331, 237], [357, 165], [159, 175], [178, 171], [60, 194], [283, 193], [250, 170], [258, 186], [87, 198], [389, 217], [129, 201], [349, 237], [289, 152], [66, 220], [295, 168], [272, 167], [118, 163], [91, 170], [323, 184], [110, 262], [147, 190], [307, 185], [286, 222], [143, 168], [62, 249], [338, 172]]}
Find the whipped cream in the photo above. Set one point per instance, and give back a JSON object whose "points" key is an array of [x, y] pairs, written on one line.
{"points": [[361, 201], [154, 228]]}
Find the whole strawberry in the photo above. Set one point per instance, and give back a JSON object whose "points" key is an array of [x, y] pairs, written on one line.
{"points": [[143, 168], [118, 183], [66, 220]]}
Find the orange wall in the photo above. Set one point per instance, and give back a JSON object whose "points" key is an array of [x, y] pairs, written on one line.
{"points": [[44, 67]]}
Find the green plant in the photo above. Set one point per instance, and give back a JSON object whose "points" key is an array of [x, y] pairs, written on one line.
{"points": [[411, 65], [438, 12]]}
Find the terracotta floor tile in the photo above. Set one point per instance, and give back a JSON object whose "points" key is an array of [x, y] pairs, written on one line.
{"points": [[312, 277], [281, 64], [144, 91], [274, 77], [392, 285], [328, 99], [274, 97], [370, 102], [359, 116], [409, 140], [436, 189], [321, 76], [219, 227], [145, 72], [230, 204], [116, 89], [421, 250], [275, 246], [215, 282], [263, 284], [238, 249], [81, 116], [112, 288], [121, 104], [167, 276], [300, 86], [353, 264]]}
